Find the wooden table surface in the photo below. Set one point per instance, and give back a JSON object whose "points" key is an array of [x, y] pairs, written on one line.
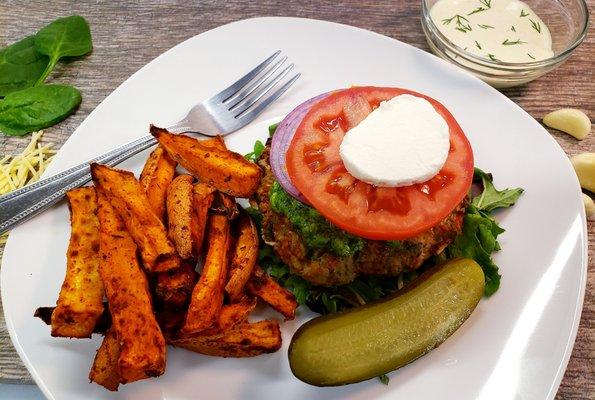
{"points": [[127, 35]]}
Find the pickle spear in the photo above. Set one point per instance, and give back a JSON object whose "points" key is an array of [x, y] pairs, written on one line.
{"points": [[382, 336]]}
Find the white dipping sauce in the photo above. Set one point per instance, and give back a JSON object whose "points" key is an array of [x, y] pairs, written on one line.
{"points": [[402, 142], [503, 30]]}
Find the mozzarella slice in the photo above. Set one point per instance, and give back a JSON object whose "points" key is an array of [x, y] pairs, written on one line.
{"points": [[402, 142]]}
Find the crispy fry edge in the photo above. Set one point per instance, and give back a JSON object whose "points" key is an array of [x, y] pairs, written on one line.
{"points": [[80, 302], [207, 296], [229, 172], [141, 341], [157, 174]]}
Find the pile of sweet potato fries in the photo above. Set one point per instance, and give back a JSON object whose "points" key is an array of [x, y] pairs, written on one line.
{"points": [[139, 243]]}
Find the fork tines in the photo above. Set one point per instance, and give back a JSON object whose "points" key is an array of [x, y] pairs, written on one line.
{"points": [[245, 98]]}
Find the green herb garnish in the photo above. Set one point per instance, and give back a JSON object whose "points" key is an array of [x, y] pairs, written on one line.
{"points": [[384, 379], [478, 45], [511, 43], [36, 108], [483, 26], [512, 28], [531, 56], [256, 152], [535, 25], [523, 13], [486, 5], [461, 22], [492, 57]]}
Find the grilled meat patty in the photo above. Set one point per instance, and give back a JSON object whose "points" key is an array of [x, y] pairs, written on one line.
{"points": [[376, 258]]}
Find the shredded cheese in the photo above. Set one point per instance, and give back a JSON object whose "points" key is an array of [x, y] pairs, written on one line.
{"points": [[19, 170]]}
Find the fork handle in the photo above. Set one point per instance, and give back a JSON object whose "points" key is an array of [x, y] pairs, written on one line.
{"points": [[22, 204]]}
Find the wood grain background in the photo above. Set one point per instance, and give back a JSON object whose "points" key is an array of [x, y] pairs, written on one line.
{"points": [[128, 34]]}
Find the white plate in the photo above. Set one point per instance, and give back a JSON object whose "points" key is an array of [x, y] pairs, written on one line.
{"points": [[515, 345]]}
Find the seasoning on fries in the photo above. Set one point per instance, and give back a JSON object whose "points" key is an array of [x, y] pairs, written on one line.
{"points": [[243, 257], [184, 229], [170, 225], [142, 345], [229, 172], [158, 172], [130, 201], [207, 296], [80, 303]]}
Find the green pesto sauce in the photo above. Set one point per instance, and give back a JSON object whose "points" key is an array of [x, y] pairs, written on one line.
{"points": [[317, 233]]}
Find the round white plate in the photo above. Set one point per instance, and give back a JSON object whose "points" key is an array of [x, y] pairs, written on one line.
{"points": [[515, 345]]}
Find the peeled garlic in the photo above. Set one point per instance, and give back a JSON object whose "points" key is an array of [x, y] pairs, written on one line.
{"points": [[569, 120], [589, 206], [584, 165]]}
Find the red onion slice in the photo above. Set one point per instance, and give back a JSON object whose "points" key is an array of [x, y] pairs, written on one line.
{"points": [[282, 140]]}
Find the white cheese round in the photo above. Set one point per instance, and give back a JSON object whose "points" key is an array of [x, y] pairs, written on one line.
{"points": [[402, 142]]}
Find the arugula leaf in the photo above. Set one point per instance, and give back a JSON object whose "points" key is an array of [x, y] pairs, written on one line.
{"points": [[272, 129], [491, 198], [480, 231], [20, 66], [64, 37], [478, 242], [256, 152], [36, 108]]}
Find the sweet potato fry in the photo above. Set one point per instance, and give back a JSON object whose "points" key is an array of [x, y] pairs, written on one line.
{"points": [[214, 143], [266, 288], [184, 229], [207, 296], [244, 340], [226, 205], [157, 174], [170, 320], [103, 322], [130, 201], [105, 366], [236, 313], [203, 195], [173, 288], [243, 257], [142, 345], [229, 172], [80, 303]]}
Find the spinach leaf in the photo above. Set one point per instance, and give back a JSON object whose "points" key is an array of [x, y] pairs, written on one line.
{"points": [[20, 66], [64, 37], [491, 198], [36, 108]]}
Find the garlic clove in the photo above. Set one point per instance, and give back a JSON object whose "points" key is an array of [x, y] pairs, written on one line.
{"points": [[569, 120], [584, 166], [589, 206]]}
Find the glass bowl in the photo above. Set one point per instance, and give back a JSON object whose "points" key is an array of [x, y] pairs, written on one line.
{"points": [[567, 20]]}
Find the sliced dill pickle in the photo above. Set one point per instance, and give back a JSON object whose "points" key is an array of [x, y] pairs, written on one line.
{"points": [[382, 336]]}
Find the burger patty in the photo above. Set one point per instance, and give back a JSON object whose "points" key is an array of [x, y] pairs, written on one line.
{"points": [[375, 258]]}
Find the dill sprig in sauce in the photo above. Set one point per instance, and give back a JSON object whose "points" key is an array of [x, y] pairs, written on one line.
{"points": [[499, 30]]}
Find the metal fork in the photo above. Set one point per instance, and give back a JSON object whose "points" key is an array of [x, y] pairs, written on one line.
{"points": [[227, 111]]}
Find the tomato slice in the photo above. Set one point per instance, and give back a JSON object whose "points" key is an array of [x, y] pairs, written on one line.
{"points": [[316, 169]]}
